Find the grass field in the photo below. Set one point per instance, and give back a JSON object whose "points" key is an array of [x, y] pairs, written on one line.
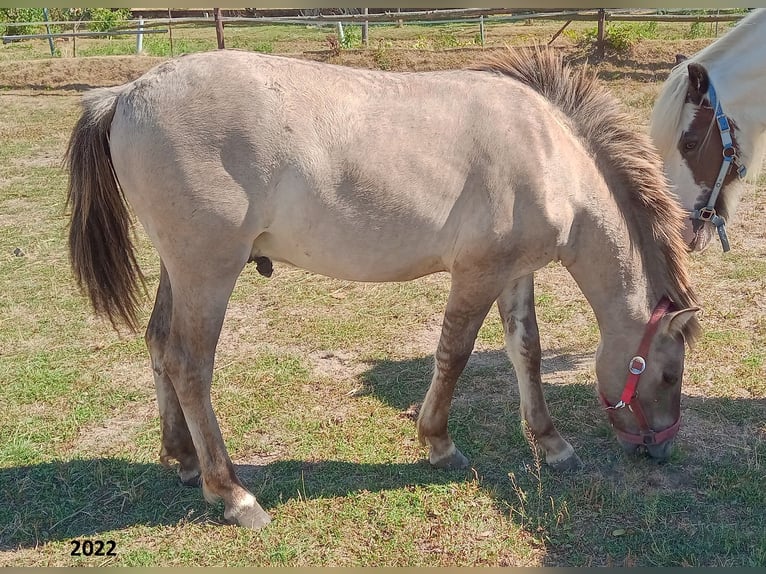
{"points": [[315, 379]]}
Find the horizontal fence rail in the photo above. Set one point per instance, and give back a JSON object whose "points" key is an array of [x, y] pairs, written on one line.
{"points": [[81, 34], [482, 16]]}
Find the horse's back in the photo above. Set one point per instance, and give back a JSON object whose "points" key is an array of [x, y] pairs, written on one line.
{"points": [[401, 173]]}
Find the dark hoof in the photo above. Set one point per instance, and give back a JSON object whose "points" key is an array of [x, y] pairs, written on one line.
{"points": [[453, 461], [568, 464]]}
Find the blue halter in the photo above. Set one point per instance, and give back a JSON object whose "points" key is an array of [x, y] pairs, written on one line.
{"points": [[730, 158]]}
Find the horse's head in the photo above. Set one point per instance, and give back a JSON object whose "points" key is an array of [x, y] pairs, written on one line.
{"points": [[701, 152], [709, 155], [639, 375]]}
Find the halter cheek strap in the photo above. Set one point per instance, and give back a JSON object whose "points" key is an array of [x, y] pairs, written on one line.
{"points": [[629, 396], [730, 158]]}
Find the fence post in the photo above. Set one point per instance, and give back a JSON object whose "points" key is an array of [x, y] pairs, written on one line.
{"points": [[48, 31], [600, 42], [481, 29], [365, 30], [140, 36], [341, 35], [218, 28], [170, 31]]}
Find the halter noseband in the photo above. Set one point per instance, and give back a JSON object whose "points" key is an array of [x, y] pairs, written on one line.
{"points": [[730, 158], [637, 366]]}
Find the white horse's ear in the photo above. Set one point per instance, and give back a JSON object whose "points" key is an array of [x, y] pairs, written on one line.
{"points": [[673, 323], [698, 83]]}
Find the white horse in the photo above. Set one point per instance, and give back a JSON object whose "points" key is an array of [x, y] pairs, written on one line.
{"points": [[488, 174], [709, 123]]}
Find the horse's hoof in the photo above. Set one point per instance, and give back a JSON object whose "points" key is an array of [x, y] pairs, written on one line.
{"points": [[250, 516], [454, 460], [571, 463], [190, 477]]}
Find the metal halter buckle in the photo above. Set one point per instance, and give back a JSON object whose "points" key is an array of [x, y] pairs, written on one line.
{"points": [[706, 213]]}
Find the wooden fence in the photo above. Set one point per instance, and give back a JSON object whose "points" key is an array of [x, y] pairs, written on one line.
{"points": [[217, 18]]}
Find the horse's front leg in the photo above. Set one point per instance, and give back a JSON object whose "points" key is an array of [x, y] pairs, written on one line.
{"points": [[199, 306], [467, 306], [522, 343], [177, 443]]}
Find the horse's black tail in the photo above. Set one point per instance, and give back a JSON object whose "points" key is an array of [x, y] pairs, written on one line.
{"points": [[101, 249]]}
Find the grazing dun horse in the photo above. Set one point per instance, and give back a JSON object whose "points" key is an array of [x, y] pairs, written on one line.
{"points": [[489, 174], [709, 123]]}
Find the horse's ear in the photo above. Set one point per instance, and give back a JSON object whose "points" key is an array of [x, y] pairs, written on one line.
{"points": [[698, 83], [681, 58], [673, 323]]}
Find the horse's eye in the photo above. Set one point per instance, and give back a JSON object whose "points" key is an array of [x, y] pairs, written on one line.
{"points": [[670, 380], [690, 145]]}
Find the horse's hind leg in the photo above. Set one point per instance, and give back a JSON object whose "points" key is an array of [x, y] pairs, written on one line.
{"points": [[201, 293], [467, 307], [176, 441], [522, 343]]}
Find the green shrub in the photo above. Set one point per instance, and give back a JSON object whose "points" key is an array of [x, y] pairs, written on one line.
{"points": [[619, 36], [352, 37], [447, 39], [105, 19], [10, 15], [697, 30], [649, 30]]}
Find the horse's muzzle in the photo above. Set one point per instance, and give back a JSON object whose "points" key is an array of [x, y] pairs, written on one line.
{"points": [[697, 235], [658, 452]]}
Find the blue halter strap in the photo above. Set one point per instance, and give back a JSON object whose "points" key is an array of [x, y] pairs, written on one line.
{"points": [[730, 158]]}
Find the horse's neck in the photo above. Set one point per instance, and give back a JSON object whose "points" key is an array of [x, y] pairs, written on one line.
{"points": [[737, 67], [609, 270]]}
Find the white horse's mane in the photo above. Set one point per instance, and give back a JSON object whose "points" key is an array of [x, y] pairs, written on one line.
{"points": [[666, 114]]}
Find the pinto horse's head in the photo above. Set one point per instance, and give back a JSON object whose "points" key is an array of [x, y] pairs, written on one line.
{"points": [[709, 125], [702, 154]]}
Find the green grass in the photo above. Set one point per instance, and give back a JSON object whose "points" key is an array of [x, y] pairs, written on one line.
{"points": [[313, 381]]}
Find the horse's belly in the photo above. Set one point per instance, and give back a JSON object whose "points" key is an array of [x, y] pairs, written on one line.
{"points": [[350, 256]]}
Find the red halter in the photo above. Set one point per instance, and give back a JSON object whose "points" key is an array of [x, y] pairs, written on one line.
{"points": [[637, 366]]}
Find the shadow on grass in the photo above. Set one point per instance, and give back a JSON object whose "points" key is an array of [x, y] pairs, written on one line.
{"points": [[402, 383], [64, 500], [82, 498]]}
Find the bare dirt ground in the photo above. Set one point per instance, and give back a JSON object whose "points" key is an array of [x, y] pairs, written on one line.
{"points": [[648, 61]]}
